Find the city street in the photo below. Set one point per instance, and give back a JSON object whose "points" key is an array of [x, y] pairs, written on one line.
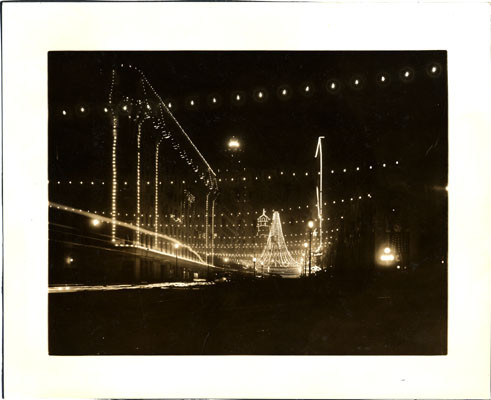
{"points": [[385, 315], [248, 202]]}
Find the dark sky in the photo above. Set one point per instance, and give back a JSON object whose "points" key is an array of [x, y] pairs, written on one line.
{"points": [[401, 119]]}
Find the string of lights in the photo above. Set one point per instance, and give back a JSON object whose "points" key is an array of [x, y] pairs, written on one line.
{"points": [[332, 86], [267, 178], [182, 216]]}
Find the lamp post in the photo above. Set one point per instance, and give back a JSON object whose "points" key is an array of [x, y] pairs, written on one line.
{"points": [[254, 261], [310, 225], [262, 269], [176, 246], [305, 245]]}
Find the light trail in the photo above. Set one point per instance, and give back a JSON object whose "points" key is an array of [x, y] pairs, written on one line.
{"points": [[102, 288], [134, 228]]}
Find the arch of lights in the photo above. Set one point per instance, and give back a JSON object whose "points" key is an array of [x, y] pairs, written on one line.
{"points": [[143, 106]]}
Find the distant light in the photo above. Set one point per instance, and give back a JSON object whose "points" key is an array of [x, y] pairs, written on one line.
{"points": [[254, 259], [225, 259], [387, 257], [344, 170], [310, 224], [357, 168], [357, 82], [69, 260], [382, 78], [332, 171], [370, 167], [387, 250], [237, 97], [214, 100], [398, 267], [284, 92], [176, 245], [191, 102], [105, 109], [95, 222], [260, 95], [305, 245], [397, 162], [82, 109], [269, 176], [406, 74], [125, 108], [170, 105], [63, 112], [148, 106], [384, 165], [307, 88], [333, 86], [233, 144]]}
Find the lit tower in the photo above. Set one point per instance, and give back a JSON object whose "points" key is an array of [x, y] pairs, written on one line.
{"points": [[276, 257]]}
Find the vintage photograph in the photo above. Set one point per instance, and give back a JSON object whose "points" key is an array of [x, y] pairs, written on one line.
{"points": [[247, 202]]}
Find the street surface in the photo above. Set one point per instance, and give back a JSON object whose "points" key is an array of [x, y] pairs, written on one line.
{"points": [[388, 314]]}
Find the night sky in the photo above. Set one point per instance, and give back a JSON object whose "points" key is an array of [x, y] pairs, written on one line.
{"points": [[396, 120], [401, 120]]}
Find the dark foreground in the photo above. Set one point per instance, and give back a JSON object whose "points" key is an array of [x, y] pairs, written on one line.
{"points": [[387, 314]]}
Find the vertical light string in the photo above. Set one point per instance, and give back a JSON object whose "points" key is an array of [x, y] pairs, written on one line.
{"points": [[213, 232], [206, 227], [113, 159], [114, 179], [320, 204], [157, 148], [138, 182]]}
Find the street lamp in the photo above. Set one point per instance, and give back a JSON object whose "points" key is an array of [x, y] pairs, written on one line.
{"points": [[254, 261], [233, 144], [262, 269], [310, 225], [95, 222], [176, 246]]}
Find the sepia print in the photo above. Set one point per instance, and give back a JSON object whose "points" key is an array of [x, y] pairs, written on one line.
{"points": [[248, 203]]}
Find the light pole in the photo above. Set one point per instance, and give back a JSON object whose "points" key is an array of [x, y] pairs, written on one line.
{"points": [[305, 245], [318, 152], [310, 225], [262, 269], [176, 246], [254, 261]]}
